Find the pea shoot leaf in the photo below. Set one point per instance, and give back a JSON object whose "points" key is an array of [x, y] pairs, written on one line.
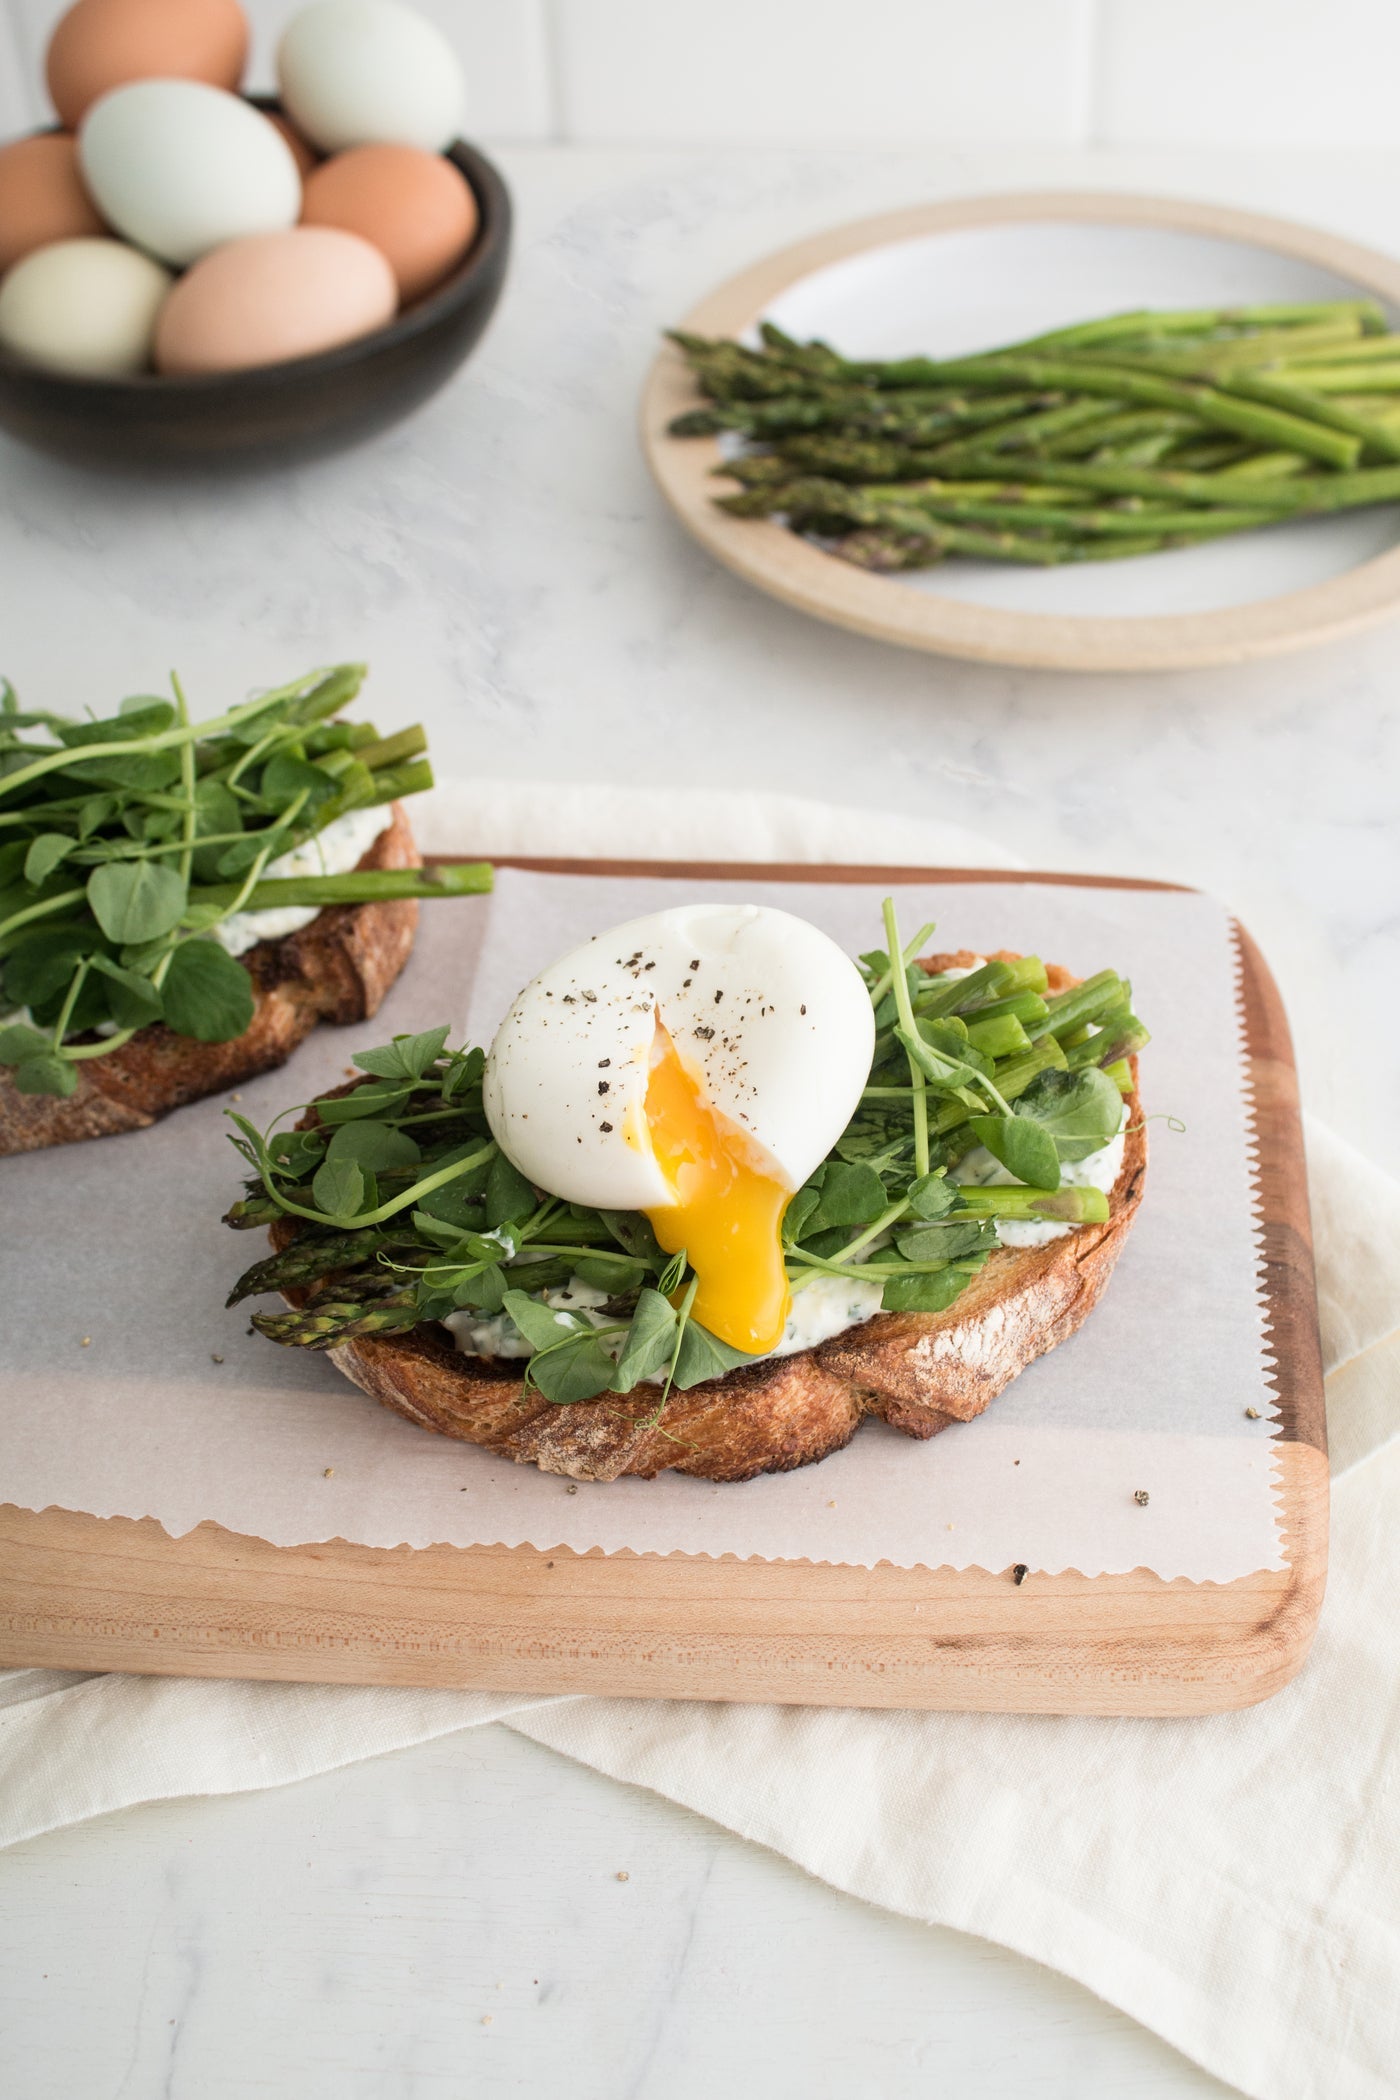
{"points": [[237, 859], [580, 1367], [703, 1355], [1081, 1111], [136, 900], [930, 1196], [484, 1290], [285, 778], [49, 1074], [44, 855], [650, 1343], [1024, 1147], [509, 1196], [217, 810], [453, 1208], [617, 1278], [672, 1276], [633, 1233], [95, 812], [380, 1147], [946, 1241], [370, 1100], [929, 1293], [464, 1073], [143, 772], [207, 993], [41, 964], [19, 1042], [407, 1057], [342, 1190], [852, 1193], [571, 1362], [140, 717], [298, 1152], [799, 1211], [942, 1072], [132, 999]]}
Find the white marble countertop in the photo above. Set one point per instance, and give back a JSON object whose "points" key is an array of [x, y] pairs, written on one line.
{"points": [[505, 566], [479, 1916]]}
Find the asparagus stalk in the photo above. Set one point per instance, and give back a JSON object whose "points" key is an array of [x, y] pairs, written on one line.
{"points": [[1369, 316], [1355, 379], [1068, 1206], [913, 415], [1177, 524], [360, 886], [1164, 484], [1097, 995], [306, 1260], [1122, 1035], [885, 552], [1114, 426], [997, 1035], [381, 754], [1279, 393], [1030, 433], [326, 1322], [1267, 426]]}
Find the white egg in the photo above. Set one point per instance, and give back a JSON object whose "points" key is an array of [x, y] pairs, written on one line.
{"points": [[180, 167], [85, 306], [770, 1016], [369, 72]]}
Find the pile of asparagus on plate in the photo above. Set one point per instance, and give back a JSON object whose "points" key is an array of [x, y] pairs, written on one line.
{"points": [[1120, 436]]}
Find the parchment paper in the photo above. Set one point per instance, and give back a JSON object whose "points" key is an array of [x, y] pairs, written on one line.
{"points": [[126, 1389]]}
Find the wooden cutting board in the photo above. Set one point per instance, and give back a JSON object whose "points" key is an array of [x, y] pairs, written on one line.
{"points": [[89, 1593]]}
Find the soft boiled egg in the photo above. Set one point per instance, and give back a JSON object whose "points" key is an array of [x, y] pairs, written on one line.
{"points": [[696, 1065]]}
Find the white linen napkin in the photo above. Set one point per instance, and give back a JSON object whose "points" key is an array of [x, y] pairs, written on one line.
{"points": [[1232, 1882]]}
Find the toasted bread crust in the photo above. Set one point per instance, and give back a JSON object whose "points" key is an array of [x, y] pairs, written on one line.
{"points": [[918, 1372], [336, 969]]}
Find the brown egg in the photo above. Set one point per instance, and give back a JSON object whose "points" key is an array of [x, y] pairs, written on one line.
{"points": [[42, 198], [416, 207], [272, 296], [102, 44], [303, 152]]}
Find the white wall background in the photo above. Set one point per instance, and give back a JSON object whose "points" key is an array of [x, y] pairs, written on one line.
{"points": [[888, 72]]}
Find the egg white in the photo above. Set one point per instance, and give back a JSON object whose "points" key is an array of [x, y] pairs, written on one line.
{"points": [[771, 1016]]}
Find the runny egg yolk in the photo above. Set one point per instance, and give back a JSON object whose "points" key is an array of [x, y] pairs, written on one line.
{"points": [[727, 1212]]}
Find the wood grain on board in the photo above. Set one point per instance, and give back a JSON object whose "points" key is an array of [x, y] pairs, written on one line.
{"points": [[792, 569], [83, 1592]]}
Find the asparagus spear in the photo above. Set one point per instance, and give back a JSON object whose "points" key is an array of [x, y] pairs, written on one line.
{"points": [[886, 552], [1216, 319], [1269, 426], [361, 886], [1065, 1206], [1112, 426], [323, 1323], [306, 1260]]}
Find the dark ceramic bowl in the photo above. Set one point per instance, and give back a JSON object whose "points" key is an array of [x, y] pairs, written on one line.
{"points": [[274, 413]]}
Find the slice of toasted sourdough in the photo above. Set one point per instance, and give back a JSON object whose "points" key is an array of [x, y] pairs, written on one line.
{"points": [[916, 1371], [336, 969]]}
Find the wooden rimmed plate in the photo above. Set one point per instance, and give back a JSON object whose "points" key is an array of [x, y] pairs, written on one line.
{"points": [[960, 276]]}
